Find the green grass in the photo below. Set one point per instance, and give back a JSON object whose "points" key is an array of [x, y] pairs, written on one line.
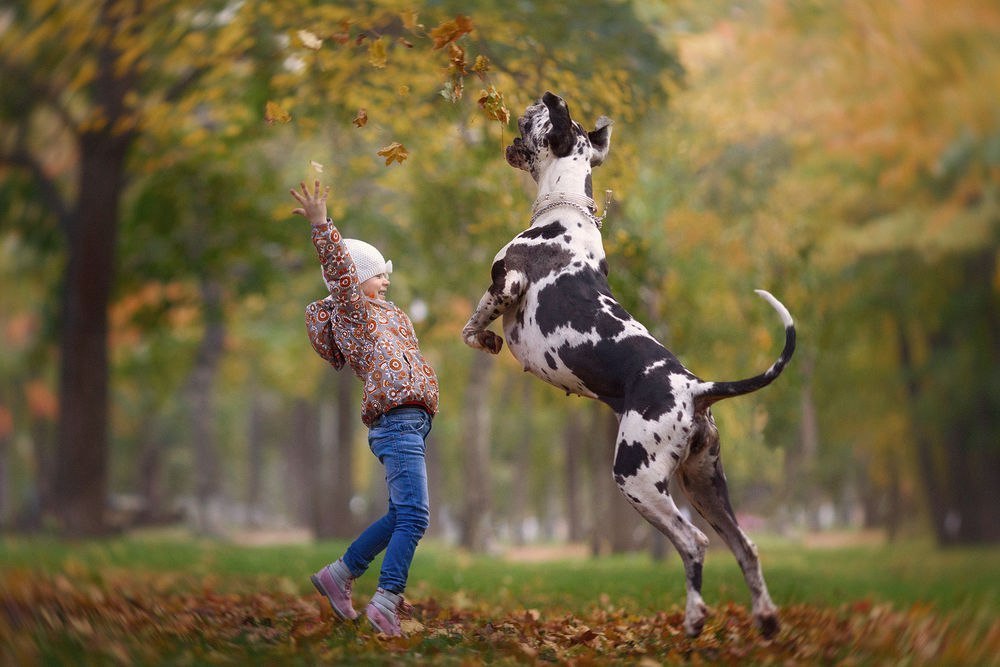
{"points": [[902, 574]]}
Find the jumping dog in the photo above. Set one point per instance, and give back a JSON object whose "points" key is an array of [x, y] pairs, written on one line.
{"points": [[563, 324]]}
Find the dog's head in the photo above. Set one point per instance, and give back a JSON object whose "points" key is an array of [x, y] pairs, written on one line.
{"points": [[548, 133]]}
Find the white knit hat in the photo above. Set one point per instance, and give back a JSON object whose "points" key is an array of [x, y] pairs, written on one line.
{"points": [[368, 261]]}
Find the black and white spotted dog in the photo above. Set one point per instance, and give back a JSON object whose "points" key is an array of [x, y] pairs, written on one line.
{"points": [[563, 324]]}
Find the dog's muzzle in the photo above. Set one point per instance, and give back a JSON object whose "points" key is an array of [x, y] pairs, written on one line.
{"points": [[518, 155]]}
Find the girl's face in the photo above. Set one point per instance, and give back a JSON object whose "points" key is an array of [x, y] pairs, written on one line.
{"points": [[376, 286]]}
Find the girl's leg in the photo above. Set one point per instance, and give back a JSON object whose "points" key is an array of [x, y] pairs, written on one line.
{"points": [[400, 447], [370, 543]]}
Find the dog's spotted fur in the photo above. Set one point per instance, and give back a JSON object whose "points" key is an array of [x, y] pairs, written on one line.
{"points": [[564, 325]]}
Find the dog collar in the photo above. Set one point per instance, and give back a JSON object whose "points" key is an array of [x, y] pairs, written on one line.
{"points": [[582, 203]]}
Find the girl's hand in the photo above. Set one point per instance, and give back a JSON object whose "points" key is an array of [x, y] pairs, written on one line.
{"points": [[313, 205]]}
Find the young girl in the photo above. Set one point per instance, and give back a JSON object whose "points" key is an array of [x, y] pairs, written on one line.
{"points": [[357, 326]]}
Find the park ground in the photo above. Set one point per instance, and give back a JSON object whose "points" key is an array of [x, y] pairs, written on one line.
{"points": [[165, 598]]}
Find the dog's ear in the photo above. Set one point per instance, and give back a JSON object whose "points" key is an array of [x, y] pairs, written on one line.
{"points": [[561, 137], [600, 141]]}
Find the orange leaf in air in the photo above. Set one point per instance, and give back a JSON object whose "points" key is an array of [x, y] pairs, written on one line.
{"points": [[449, 31], [394, 152], [456, 57], [361, 119]]}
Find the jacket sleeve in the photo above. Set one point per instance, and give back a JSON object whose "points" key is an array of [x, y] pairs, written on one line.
{"points": [[319, 326], [339, 272]]}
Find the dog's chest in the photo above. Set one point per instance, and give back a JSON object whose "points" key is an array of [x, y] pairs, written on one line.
{"points": [[566, 303]]}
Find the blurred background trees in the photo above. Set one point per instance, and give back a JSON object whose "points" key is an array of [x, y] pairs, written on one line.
{"points": [[154, 363]]}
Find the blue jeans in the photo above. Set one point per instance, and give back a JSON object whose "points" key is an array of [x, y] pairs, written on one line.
{"points": [[397, 439]]}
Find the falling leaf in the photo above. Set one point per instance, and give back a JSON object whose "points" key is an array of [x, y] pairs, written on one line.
{"points": [[361, 119], [481, 66], [405, 42], [491, 102], [410, 21], [317, 166], [403, 90], [377, 54], [394, 152], [449, 31], [309, 40], [344, 36], [456, 59], [453, 90], [273, 113]]}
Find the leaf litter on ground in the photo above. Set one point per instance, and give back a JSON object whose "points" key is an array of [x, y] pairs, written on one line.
{"points": [[123, 617]]}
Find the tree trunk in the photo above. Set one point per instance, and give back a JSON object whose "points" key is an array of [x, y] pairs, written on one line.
{"points": [[474, 524], [81, 472], [337, 519], [81, 475], [574, 453], [43, 446], [303, 465], [255, 458], [602, 490], [201, 396], [150, 471], [521, 484], [922, 443], [435, 484]]}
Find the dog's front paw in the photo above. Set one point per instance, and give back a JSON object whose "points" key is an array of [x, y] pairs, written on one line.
{"points": [[489, 341], [483, 339]]}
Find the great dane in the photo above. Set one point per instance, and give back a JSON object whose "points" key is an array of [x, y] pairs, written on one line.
{"points": [[563, 324]]}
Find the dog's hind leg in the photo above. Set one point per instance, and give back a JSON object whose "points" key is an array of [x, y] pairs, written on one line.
{"points": [[702, 479], [643, 465]]}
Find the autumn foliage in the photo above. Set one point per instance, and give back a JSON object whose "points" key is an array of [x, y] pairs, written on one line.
{"points": [[126, 618]]}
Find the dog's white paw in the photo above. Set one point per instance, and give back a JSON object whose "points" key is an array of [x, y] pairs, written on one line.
{"points": [[483, 340]]}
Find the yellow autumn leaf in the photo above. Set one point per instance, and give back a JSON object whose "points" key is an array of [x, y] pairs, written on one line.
{"points": [[273, 113], [481, 66], [394, 152], [491, 102], [309, 40], [377, 54]]}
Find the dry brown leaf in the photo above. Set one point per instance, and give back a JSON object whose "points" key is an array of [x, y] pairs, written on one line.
{"points": [[394, 152]]}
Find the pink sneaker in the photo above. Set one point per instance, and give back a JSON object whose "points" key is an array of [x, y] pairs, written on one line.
{"points": [[385, 610], [334, 581]]}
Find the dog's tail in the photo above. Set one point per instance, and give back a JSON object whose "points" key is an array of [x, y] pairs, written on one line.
{"points": [[710, 392]]}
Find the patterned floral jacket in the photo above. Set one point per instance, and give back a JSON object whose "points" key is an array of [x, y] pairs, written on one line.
{"points": [[375, 337]]}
